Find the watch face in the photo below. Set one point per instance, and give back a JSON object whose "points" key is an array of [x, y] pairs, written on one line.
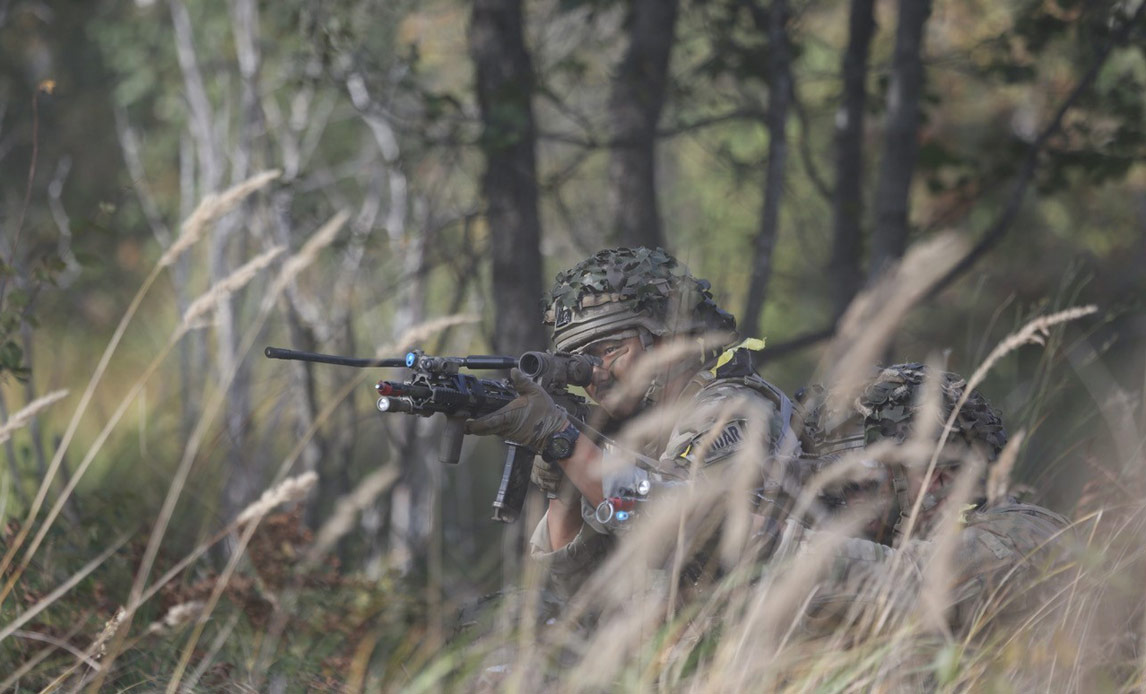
{"points": [[560, 447]]}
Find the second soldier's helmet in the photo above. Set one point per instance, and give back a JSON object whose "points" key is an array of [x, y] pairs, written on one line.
{"points": [[625, 292], [890, 407], [890, 403]]}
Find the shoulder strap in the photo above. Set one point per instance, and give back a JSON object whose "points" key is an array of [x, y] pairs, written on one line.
{"points": [[737, 366]]}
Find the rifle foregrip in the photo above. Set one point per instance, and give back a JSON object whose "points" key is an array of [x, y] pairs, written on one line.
{"points": [[452, 435]]}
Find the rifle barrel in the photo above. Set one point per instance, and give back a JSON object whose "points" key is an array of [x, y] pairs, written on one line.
{"points": [[297, 355]]}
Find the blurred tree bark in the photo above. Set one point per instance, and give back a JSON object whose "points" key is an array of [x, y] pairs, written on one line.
{"points": [[775, 23], [505, 85], [635, 105], [901, 138], [845, 272]]}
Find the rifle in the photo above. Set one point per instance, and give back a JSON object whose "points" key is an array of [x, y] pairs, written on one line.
{"points": [[437, 385]]}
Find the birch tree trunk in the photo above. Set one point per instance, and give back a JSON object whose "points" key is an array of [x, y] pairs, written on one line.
{"points": [[779, 104], [635, 104], [399, 528], [193, 348], [901, 138], [217, 154], [198, 174], [189, 371], [844, 268], [248, 476]]}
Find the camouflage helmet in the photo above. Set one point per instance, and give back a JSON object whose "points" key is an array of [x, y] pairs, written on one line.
{"points": [[890, 403], [629, 289]]}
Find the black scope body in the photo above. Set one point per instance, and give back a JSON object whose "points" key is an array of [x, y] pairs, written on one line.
{"points": [[571, 369]]}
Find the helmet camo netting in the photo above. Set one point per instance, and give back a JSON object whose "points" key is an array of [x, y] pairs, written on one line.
{"points": [[890, 402], [886, 409], [625, 289], [887, 406]]}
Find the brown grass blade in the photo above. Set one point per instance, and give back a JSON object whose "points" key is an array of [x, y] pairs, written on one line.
{"points": [[24, 416]]}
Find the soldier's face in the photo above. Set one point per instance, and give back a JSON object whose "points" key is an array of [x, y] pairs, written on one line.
{"points": [[618, 358], [956, 455], [868, 497]]}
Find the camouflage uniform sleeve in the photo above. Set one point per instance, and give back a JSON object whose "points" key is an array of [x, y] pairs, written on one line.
{"points": [[572, 564], [855, 573], [1004, 562], [999, 564]]}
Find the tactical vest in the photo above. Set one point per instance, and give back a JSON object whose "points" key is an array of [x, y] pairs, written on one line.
{"points": [[739, 369]]}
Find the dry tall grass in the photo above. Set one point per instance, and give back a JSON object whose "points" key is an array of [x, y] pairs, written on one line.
{"points": [[634, 627], [637, 625], [193, 229]]}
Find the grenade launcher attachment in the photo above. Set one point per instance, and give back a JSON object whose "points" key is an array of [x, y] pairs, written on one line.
{"points": [[436, 385]]}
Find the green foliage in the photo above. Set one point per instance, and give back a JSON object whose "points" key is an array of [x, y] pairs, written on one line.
{"points": [[738, 43], [19, 287]]}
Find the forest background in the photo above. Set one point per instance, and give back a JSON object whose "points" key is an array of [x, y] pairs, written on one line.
{"points": [[446, 159]]}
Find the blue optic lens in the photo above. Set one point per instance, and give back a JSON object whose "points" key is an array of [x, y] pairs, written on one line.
{"points": [[622, 515], [411, 359]]}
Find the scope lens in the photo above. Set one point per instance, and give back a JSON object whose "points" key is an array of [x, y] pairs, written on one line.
{"points": [[411, 359]]}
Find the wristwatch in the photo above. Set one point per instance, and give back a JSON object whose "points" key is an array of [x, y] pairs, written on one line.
{"points": [[560, 445]]}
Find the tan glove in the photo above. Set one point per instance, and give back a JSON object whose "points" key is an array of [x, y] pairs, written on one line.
{"points": [[546, 476], [528, 420]]}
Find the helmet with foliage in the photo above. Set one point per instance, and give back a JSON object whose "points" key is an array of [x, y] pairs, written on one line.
{"points": [[890, 403], [626, 292], [888, 408]]}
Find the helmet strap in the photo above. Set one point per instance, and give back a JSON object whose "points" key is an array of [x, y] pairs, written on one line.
{"points": [[655, 391], [656, 388]]}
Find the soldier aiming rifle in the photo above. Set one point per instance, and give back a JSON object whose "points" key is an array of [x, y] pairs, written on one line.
{"points": [[659, 342]]}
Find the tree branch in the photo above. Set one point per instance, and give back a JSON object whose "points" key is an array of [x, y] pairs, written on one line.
{"points": [[740, 114], [63, 224], [129, 145], [796, 344], [804, 143]]}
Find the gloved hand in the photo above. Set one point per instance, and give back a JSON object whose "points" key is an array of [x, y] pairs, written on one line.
{"points": [[528, 420], [546, 476]]}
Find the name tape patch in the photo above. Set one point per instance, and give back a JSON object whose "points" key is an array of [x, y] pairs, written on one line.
{"points": [[725, 441]]}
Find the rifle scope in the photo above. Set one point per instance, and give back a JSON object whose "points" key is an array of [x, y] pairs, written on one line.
{"points": [[571, 369]]}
